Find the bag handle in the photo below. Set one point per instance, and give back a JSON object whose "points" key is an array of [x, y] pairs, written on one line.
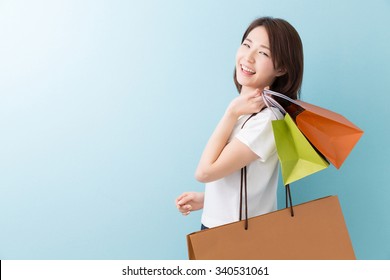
{"points": [[274, 93], [243, 181], [268, 101], [288, 194], [244, 186]]}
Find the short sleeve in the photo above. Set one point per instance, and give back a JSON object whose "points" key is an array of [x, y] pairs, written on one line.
{"points": [[258, 135]]}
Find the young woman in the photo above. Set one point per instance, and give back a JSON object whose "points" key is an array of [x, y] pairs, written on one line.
{"points": [[270, 56]]}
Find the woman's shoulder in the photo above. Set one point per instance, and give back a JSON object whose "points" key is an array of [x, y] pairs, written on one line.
{"points": [[269, 114], [261, 119]]}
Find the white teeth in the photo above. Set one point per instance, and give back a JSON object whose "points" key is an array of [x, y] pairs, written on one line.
{"points": [[247, 69]]}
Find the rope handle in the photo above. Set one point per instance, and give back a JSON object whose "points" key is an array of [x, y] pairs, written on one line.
{"points": [[269, 102], [274, 93], [244, 183], [288, 194]]}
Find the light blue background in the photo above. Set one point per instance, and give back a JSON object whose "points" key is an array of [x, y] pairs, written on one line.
{"points": [[106, 105]]}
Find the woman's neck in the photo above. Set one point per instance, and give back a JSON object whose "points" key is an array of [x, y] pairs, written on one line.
{"points": [[246, 90]]}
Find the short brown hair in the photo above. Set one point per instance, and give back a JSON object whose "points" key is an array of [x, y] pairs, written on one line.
{"points": [[286, 52]]}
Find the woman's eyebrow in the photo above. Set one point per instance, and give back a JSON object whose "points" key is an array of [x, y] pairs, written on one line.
{"points": [[261, 45], [264, 46]]}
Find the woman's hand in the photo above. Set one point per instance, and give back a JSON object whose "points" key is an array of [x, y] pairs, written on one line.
{"points": [[189, 201], [247, 103]]}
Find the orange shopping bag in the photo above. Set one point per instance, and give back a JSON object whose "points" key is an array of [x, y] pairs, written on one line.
{"points": [[330, 133]]}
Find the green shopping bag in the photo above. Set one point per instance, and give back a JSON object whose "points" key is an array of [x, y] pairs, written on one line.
{"points": [[297, 157]]}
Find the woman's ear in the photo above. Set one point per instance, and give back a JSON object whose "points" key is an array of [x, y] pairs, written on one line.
{"points": [[280, 72]]}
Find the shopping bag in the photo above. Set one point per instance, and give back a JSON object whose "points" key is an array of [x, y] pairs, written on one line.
{"points": [[316, 231], [330, 133], [297, 157]]}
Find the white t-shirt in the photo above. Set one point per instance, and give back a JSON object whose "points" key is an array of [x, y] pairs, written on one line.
{"points": [[222, 197]]}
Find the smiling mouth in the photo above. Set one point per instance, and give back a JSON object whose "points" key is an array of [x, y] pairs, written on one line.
{"points": [[247, 70]]}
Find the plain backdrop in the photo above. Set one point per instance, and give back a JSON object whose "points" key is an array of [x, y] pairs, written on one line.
{"points": [[106, 105]]}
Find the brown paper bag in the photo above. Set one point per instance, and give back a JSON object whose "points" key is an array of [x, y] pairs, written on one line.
{"points": [[316, 231]]}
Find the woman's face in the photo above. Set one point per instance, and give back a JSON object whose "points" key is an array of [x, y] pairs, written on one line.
{"points": [[254, 66]]}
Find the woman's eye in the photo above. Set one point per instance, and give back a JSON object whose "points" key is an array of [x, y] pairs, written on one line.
{"points": [[246, 45], [263, 53]]}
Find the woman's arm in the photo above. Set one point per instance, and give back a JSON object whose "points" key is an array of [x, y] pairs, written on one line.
{"points": [[219, 158]]}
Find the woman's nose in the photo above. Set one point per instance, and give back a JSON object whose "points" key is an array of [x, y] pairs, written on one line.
{"points": [[250, 56]]}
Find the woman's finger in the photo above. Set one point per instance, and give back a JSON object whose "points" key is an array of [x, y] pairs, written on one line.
{"points": [[184, 208], [184, 199]]}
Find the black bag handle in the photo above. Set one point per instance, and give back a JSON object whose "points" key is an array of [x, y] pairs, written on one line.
{"points": [[288, 194], [244, 183], [243, 187]]}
